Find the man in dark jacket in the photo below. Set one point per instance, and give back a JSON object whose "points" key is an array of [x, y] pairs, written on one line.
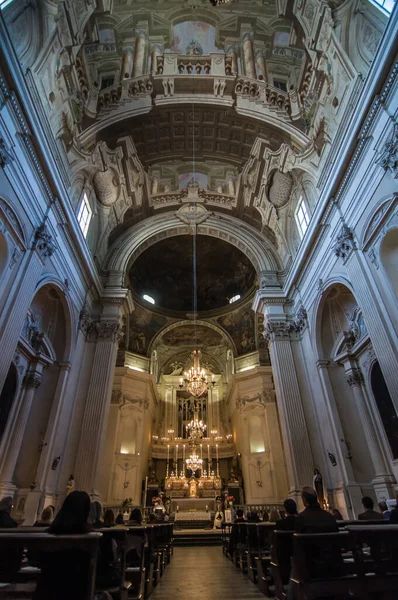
{"points": [[6, 520], [288, 523], [369, 514], [10, 560]]}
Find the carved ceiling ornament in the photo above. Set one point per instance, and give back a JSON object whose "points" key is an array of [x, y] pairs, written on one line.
{"points": [[193, 214], [389, 157], [344, 244]]}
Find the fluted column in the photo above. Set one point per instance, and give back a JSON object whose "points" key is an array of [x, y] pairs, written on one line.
{"points": [[139, 55], [14, 313], [127, 65], [293, 424], [232, 61], [383, 338], [156, 51], [97, 406], [260, 64], [12, 448], [382, 479], [248, 56]]}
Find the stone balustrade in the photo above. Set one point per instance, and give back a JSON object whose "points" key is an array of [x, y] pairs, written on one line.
{"points": [[177, 64]]}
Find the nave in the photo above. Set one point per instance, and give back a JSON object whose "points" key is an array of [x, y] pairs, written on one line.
{"points": [[205, 573]]}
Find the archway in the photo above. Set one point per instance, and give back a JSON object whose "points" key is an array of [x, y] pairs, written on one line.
{"points": [[7, 396], [388, 415], [389, 258]]}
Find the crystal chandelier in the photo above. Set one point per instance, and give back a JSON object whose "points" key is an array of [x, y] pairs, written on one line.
{"points": [[195, 378], [194, 463], [195, 429]]}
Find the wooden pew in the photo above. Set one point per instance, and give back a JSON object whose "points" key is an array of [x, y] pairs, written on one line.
{"points": [[263, 557], [281, 553], [376, 550], [137, 540], [318, 567], [44, 542]]}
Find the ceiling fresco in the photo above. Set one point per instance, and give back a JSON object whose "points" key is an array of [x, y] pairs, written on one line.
{"points": [[240, 326], [185, 336], [143, 325], [165, 272]]}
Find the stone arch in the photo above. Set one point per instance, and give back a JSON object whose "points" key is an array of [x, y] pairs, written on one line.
{"points": [[389, 257], [318, 310], [127, 248], [226, 337], [12, 220], [68, 309]]}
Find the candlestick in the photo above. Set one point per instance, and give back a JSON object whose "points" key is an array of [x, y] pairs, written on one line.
{"points": [[167, 464], [183, 459], [217, 452], [208, 452]]}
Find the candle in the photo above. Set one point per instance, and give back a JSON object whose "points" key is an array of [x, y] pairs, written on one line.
{"points": [[208, 453], [176, 453], [217, 452], [183, 457], [201, 451], [181, 381], [168, 453]]}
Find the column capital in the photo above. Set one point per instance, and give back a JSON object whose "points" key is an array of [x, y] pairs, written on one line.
{"points": [[85, 319], [277, 331], [32, 380], [354, 377], [108, 331]]}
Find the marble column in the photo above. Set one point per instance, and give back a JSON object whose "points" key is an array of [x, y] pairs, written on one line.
{"points": [[248, 56], [260, 64], [127, 65], [139, 56], [231, 186], [296, 443], [233, 60], [96, 411], [156, 51], [17, 428], [383, 480], [14, 313], [383, 339], [154, 185]]}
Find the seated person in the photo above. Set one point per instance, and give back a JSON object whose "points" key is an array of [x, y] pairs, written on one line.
{"points": [[10, 561], [321, 560], [135, 517], [337, 514], [47, 517], [252, 517], [119, 518], [394, 514], [288, 523], [109, 518], [94, 517], [384, 510], [64, 573], [369, 514], [239, 516]]}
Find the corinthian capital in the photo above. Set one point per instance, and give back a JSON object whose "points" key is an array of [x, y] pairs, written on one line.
{"points": [[354, 377], [108, 330], [344, 243], [32, 380], [43, 242], [277, 331]]}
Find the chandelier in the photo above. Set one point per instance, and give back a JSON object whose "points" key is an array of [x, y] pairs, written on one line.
{"points": [[195, 378], [194, 463], [195, 429]]}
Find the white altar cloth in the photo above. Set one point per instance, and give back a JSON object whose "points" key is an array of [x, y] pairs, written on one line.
{"points": [[197, 515]]}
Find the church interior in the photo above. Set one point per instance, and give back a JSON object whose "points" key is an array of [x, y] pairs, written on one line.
{"points": [[198, 262]]}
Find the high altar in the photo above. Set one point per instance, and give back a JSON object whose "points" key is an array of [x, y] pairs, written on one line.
{"points": [[191, 493]]}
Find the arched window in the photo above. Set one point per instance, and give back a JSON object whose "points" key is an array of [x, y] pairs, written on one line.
{"points": [[84, 214], [386, 407], [7, 397]]}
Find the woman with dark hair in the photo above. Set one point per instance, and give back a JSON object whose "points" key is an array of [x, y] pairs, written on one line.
{"points": [[135, 517], [64, 573], [109, 518]]}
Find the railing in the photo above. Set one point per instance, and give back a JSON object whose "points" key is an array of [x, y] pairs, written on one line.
{"points": [[177, 64]]}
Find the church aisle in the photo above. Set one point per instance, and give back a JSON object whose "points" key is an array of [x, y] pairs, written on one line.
{"points": [[205, 573]]}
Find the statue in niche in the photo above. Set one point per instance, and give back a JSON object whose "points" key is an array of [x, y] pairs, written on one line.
{"points": [[192, 487], [233, 476], [318, 487]]}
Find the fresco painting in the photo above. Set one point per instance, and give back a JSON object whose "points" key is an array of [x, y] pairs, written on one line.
{"points": [[143, 326], [184, 179], [194, 38], [240, 326], [185, 336]]}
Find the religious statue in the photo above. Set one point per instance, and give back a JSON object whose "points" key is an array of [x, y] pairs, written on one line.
{"points": [[318, 487], [192, 487], [152, 478], [233, 476]]}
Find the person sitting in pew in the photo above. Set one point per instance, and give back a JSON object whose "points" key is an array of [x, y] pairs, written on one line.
{"points": [[337, 514], [383, 508], [288, 523], [252, 517], [369, 514], [313, 519], [119, 518], [394, 514], [47, 517], [63, 573], [95, 514], [10, 561], [239, 516], [135, 517], [109, 518]]}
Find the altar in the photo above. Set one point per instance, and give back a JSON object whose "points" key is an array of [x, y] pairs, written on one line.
{"points": [[192, 504]]}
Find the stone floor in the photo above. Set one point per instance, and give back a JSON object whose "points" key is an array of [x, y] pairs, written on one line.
{"points": [[203, 573]]}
